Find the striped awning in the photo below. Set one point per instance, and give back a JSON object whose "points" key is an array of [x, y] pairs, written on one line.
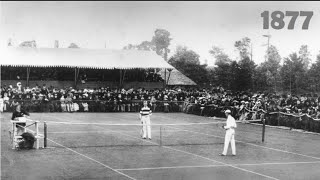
{"points": [[81, 58]]}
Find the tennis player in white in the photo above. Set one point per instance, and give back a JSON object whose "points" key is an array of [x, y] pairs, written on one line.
{"points": [[230, 132], [145, 114]]}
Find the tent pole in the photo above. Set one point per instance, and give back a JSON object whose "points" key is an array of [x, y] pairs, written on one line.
{"points": [[169, 76], [165, 77], [124, 74], [75, 77], [28, 75], [78, 74], [120, 78]]}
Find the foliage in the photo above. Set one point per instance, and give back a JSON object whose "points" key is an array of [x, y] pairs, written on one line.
{"points": [[270, 69], [187, 62], [161, 40], [243, 47], [219, 55], [314, 75], [73, 45], [144, 45], [304, 54], [245, 74], [293, 73], [159, 43], [29, 44]]}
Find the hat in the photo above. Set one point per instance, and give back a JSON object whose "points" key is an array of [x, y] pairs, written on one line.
{"points": [[227, 111]]}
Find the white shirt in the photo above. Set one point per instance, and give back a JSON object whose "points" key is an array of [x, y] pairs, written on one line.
{"points": [[231, 122]]}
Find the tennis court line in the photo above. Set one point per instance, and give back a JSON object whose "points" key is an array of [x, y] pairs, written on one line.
{"points": [[198, 156], [236, 141], [250, 144], [74, 132], [263, 175], [318, 158], [93, 160], [169, 167], [205, 166]]}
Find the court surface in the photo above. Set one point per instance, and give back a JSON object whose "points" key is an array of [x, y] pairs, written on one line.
{"points": [[187, 152]]}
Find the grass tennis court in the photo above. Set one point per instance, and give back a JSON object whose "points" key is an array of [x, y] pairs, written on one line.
{"points": [[101, 151]]}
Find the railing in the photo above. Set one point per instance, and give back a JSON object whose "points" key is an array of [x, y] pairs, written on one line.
{"points": [[93, 106], [296, 121]]}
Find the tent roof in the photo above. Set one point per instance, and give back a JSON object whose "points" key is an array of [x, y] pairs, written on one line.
{"points": [[177, 78], [82, 58]]}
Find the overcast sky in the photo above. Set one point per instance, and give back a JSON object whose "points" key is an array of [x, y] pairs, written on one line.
{"points": [[197, 25]]}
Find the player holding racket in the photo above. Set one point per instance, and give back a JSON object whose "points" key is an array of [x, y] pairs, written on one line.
{"points": [[145, 114]]}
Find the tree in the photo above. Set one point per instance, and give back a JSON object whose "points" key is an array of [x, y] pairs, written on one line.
{"points": [[314, 75], [260, 79], [129, 46], [243, 46], [185, 55], [161, 40], [188, 63], [293, 73], [244, 78], [219, 55], [271, 67], [144, 45], [304, 54], [223, 74], [29, 44], [73, 45]]}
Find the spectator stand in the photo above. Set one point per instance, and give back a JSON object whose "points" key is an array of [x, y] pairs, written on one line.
{"points": [[79, 59]]}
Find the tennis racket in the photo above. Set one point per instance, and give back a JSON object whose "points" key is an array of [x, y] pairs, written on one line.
{"points": [[220, 125]]}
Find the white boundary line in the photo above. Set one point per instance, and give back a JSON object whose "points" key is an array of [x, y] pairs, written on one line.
{"points": [[74, 132], [170, 167], [218, 161], [275, 127], [207, 166], [318, 158], [93, 160], [202, 157]]}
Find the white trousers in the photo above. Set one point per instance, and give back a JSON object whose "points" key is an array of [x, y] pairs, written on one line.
{"points": [[146, 126], [229, 138]]}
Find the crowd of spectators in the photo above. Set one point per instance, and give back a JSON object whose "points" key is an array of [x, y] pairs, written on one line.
{"points": [[204, 102], [67, 74]]}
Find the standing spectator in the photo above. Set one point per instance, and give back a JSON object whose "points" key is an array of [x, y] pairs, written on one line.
{"points": [[153, 103], [1, 103], [5, 102], [69, 103]]}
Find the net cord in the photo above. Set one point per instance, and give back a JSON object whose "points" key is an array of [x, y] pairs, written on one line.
{"points": [[180, 124]]}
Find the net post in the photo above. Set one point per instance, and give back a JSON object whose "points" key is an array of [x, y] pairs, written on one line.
{"points": [[160, 136], [263, 128], [45, 134]]}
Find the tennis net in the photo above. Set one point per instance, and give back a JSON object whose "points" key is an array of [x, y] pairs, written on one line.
{"points": [[93, 135]]}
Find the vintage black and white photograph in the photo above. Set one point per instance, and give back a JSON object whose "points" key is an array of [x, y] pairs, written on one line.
{"points": [[160, 90]]}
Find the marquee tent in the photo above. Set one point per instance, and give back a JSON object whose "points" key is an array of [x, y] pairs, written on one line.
{"points": [[81, 58]]}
